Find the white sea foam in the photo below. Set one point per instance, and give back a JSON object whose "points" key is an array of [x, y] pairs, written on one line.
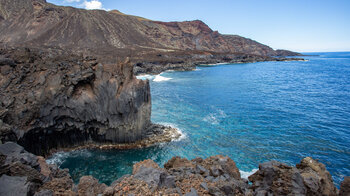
{"points": [[197, 69], [145, 77], [215, 117], [211, 119], [182, 134], [213, 64], [245, 174], [59, 157], [160, 78]]}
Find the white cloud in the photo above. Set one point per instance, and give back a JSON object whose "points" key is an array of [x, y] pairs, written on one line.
{"points": [[91, 5]]}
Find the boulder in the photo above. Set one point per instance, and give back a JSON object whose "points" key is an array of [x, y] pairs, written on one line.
{"points": [[345, 187], [219, 165], [15, 186], [317, 179], [59, 186], [89, 186], [278, 179], [146, 163], [178, 162]]}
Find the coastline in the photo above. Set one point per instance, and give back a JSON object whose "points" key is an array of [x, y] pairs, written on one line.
{"points": [[23, 173], [156, 134], [189, 63]]}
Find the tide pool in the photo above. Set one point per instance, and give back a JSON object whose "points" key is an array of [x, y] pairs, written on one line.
{"points": [[252, 112]]}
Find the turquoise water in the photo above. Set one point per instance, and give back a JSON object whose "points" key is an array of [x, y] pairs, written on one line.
{"points": [[251, 112]]}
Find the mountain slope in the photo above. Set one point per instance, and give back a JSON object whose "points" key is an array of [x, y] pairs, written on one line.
{"points": [[37, 23]]}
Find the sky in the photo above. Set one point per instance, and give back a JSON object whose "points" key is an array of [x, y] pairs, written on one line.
{"points": [[298, 25]]}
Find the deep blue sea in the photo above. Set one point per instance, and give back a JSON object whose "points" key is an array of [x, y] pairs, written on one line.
{"points": [[252, 112]]}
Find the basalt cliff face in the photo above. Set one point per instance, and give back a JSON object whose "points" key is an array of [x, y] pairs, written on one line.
{"points": [[52, 99], [37, 23]]}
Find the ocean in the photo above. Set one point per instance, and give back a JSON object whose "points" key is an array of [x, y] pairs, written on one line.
{"points": [[252, 112]]}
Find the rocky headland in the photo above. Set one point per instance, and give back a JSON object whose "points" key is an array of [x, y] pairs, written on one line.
{"points": [[23, 173], [53, 100]]}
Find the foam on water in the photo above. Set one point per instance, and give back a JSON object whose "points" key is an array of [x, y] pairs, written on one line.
{"points": [[160, 78], [215, 117], [59, 157], [145, 77]]}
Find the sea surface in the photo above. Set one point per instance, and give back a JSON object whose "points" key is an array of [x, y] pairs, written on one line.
{"points": [[252, 112]]}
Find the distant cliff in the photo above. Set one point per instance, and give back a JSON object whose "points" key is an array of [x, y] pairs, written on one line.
{"points": [[37, 23]]}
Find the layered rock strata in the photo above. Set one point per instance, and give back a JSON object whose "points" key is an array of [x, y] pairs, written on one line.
{"points": [[52, 99], [37, 23], [22, 173]]}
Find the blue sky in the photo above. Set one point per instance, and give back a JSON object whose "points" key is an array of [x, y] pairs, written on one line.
{"points": [[298, 25]]}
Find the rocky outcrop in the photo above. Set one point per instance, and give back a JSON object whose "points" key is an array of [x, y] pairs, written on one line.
{"points": [[155, 63], [286, 53], [22, 173], [316, 178], [52, 99], [308, 178], [102, 33]]}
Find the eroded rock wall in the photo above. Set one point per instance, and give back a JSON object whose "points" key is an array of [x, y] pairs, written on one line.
{"points": [[51, 99]]}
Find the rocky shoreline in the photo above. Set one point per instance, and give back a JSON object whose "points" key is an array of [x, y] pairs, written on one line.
{"points": [[155, 134], [23, 173], [158, 63]]}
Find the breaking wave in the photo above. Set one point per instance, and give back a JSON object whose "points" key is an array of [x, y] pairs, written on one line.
{"points": [[160, 78]]}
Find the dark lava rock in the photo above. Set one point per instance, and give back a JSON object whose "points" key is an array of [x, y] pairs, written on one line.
{"points": [[345, 187], [89, 186], [52, 99], [44, 193], [29, 173], [15, 185], [278, 179], [317, 179]]}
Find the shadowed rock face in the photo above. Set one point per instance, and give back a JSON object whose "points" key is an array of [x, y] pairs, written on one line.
{"points": [[50, 99], [37, 23]]}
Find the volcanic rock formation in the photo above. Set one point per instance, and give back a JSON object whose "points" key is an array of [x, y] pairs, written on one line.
{"points": [[22, 173], [51, 99]]}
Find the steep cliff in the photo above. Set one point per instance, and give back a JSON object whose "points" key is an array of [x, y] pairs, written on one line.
{"points": [[37, 23], [51, 99]]}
